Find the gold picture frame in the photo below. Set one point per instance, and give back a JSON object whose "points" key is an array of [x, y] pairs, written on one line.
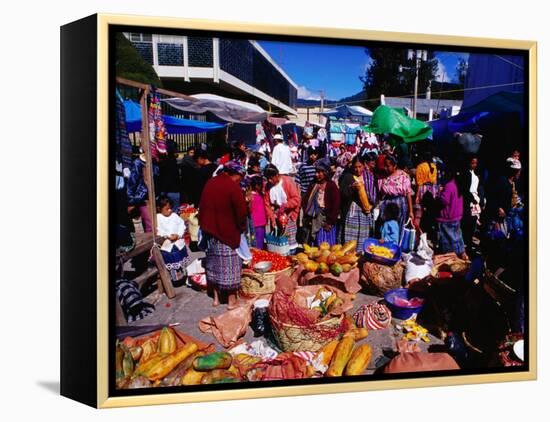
{"points": [[101, 24]]}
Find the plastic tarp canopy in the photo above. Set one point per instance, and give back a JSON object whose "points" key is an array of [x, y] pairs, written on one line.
{"points": [[349, 112], [491, 109], [494, 72], [174, 125], [227, 109], [388, 120], [503, 102]]}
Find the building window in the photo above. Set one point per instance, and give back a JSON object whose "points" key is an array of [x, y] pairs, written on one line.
{"points": [[145, 49], [170, 54], [134, 37], [201, 51], [236, 58]]}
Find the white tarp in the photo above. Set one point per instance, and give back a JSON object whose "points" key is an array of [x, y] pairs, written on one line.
{"points": [[363, 110], [227, 109], [348, 112]]}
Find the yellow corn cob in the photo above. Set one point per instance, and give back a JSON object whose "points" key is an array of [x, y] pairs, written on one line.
{"points": [[363, 198]]}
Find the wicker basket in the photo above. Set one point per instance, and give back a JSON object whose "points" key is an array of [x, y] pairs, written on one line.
{"points": [[253, 283], [293, 338]]}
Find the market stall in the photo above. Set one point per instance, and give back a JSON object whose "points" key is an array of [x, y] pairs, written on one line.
{"points": [[328, 311], [295, 321]]}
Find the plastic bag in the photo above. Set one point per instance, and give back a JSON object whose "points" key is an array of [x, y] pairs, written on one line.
{"points": [[419, 264], [408, 237], [260, 318], [228, 327], [469, 143], [277, 242]]}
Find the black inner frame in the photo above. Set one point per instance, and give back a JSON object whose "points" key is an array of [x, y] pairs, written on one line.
{"points": [[113, 29]]}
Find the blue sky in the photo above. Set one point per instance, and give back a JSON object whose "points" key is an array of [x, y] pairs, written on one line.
{"points": [[334, 68]]}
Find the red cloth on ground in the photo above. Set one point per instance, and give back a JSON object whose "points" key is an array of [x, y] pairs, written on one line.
{"points": [[223, 210]]}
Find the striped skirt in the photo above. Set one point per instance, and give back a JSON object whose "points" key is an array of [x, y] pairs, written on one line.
{"points": [[223, 266], [450, 238], [290, 232], [358, 226], [326, 236]]}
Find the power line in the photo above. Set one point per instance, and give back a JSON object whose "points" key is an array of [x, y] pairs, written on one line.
{"points": [[509, 62], [439, 92]]}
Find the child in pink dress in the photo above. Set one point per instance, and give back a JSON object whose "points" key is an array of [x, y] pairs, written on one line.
{"points": [[257, 210]]}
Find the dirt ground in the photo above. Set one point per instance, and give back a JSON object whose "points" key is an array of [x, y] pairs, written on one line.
{"points": [[190, 306]]}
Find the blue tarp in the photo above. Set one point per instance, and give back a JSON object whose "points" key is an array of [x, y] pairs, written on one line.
{"points": [[491, 109], [489, 74], [174, 125]]}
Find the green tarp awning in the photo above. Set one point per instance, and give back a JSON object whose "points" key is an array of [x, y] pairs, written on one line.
{"points": [[394, 122]]}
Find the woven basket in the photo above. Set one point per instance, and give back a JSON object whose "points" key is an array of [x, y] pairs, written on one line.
{"points": [[293, 338], [379, 279], [253, 283]]}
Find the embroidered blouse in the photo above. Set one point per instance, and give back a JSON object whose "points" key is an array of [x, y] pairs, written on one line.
{"points": [[397, 184]]}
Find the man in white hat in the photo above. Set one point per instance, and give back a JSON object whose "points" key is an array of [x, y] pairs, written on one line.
{"points": [[282, 156]]}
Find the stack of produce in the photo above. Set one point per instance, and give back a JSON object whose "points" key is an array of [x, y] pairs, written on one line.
{"points": [[379, 250], [163, 362], [150, 363], [213, 368], [413, 331], [324, 301], [253, 283], [326, 259], [343, 357], [278, 262]]}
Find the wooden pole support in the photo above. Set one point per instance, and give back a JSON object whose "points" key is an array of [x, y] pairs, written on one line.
{"points": [[166, 281], [165, 278]]}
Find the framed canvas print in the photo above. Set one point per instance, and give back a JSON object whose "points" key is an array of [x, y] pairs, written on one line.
{"points": [[258, 211]]}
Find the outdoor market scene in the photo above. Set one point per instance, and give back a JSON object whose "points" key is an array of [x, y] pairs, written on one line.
{"points": [[278, 220]]}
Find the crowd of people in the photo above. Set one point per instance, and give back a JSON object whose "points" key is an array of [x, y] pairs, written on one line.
{"points": [[317, 191]]}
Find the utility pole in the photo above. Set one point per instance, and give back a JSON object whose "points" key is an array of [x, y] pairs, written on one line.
{"points": [[417, 67], [322, 95], [419, 56]]}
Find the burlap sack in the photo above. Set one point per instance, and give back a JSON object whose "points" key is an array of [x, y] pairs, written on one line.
{"points": [[420, 362], [378, 278]]}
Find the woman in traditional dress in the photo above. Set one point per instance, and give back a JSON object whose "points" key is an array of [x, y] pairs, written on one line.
{"points": [[282, 196], [322, 207], [396, 188], [426, 178], [223, 216], [358, 222], [449, 218]]}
